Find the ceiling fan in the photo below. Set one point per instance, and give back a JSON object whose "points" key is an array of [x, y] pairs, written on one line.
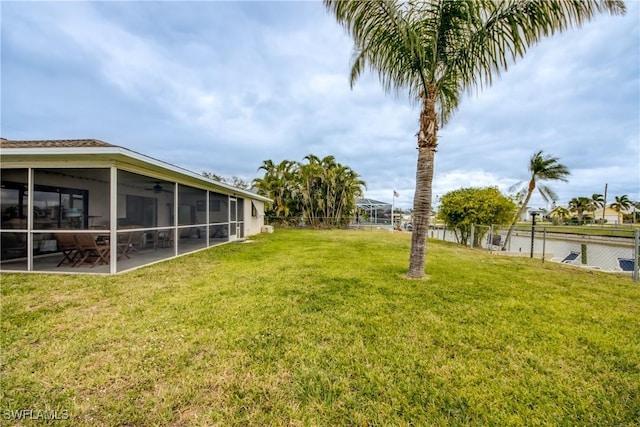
{"points": [[158, 189]]}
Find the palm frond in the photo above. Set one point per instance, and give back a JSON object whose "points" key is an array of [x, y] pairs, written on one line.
{"points": [[516, 186], [510, 27], [547, 193], [454, 45], [547, 168], [393, 40]]}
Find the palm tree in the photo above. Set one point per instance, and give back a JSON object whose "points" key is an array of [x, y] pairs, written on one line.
{"points": [[311, 187], [436, 50], [598, 200], [580, 205], [559, 213], [321, 191], [350, 188], [541, 168], [279, 184], [622, 203]]}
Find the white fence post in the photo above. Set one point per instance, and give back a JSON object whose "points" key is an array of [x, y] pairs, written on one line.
{"points": [[473, 229]]}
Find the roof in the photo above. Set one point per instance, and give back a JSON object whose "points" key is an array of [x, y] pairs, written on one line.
{"points": [[68, 148], [54, 143], [370, 203]]}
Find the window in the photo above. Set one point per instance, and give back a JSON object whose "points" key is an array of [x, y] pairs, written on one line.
{"points": [[218, 208], [144, 201], [70, 198], [142, 211], [13, 205], [59, 207]]}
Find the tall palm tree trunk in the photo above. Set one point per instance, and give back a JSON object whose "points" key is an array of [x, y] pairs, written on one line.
{"points": [[530, 189], [427, 144]]}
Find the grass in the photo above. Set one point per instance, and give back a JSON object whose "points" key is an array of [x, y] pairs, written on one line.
{"points": [[322, 328]]}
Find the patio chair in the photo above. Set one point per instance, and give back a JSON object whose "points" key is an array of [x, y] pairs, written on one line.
{"points": [[90, 251], [67, 245], [131, 241], [125, 244], [626, 264], [165, 238]]}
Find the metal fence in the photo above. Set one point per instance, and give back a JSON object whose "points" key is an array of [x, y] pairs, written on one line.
{"points": [[615, 250], [330, 222]]}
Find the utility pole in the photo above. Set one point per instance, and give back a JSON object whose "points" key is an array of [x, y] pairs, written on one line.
{"points": [[604, 208]]}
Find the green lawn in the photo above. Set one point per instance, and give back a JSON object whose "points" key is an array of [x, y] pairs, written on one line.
{"points": [[322, 328]]}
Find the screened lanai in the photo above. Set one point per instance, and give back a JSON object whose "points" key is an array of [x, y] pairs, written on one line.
{"points": [[88, 206], [372, 212]]}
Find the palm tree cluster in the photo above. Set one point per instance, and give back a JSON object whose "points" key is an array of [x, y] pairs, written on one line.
{"points": [[580, 205], [435, 50], [320, 192], [588, 205]]}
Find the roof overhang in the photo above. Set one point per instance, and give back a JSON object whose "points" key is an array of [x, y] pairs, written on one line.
{"points": [[120, 157]]}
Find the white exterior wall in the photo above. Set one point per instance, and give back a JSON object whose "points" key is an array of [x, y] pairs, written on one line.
{"points": [[610, 215], [253, 225]]}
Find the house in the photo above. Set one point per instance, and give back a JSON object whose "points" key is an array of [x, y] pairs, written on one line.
{"points": [[610, 215], [526, 215], [137, 210], [372, 212]]}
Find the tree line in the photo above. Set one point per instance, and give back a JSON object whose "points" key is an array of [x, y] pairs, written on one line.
{"points": [[317, 192], [583, 206]]}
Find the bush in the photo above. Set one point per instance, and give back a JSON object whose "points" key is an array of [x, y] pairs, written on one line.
{"points": [[460, 209]]}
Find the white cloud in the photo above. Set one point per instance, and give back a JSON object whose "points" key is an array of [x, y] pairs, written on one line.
{"points": [[222, 86]]}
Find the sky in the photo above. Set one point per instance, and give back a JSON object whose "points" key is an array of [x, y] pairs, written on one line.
{"points": [[222, 86]]}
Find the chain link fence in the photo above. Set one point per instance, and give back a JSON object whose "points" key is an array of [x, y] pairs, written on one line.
{"points": [[615, 250], [330, 222]]}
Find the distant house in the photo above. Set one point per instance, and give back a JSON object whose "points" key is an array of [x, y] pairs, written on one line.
{"points": [[610, 215], [526, 214], [372, 212], [137, 210]]}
